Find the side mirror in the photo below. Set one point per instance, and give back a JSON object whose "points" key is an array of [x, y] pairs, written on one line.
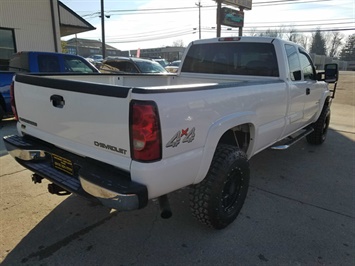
{"points": [[297, 75], [331, 73]]}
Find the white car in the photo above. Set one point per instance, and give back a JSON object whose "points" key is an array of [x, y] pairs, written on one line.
{"points": [[173, 67]]}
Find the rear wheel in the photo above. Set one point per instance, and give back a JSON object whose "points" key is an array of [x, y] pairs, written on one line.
{"points": [[218, 199], [2, 112], [321, 126]]}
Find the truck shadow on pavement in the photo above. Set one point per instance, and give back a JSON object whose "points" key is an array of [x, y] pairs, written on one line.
{"points": [[7, 127], [299, 210]]}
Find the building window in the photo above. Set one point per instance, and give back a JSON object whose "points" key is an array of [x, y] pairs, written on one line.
{"points": [[71, 50], [7, 46], [94, 51]]}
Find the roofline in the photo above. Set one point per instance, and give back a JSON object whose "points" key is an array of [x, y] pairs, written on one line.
{"points": [[91, 27]]}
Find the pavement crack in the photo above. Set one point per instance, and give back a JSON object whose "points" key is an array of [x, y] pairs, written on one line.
{"points": [[344, 131], [12, 173], [147, 238], [50, 250], [302, 202]]}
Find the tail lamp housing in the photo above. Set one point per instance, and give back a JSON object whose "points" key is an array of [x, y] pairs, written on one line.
{"points": [[145, 131], [12, 99]]}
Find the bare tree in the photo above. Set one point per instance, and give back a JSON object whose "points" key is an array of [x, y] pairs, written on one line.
{"points": [[292, 35], [348, 51], [272, 33], [253, 32], [333, 43], [178, 43]]}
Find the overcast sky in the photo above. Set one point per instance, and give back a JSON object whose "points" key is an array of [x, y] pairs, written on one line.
{"points": [[136, 24]]}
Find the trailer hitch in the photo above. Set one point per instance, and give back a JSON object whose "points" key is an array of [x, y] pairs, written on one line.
{"points": [[57, 190], [36, 178]]}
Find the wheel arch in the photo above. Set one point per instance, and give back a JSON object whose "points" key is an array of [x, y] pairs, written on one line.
{"points": [[237, 130], [326, 100], [2, 103], [2, 107]]}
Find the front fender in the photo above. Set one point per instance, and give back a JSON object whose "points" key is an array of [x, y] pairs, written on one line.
{"points": [[325, 100], [216, 131]]}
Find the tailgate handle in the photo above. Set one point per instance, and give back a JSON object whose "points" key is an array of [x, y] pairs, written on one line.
{"points": [[57, 101]]}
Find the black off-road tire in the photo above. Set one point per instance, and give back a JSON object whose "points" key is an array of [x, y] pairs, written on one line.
{"points": [[218, 199], [321, 126], [2, 113]]}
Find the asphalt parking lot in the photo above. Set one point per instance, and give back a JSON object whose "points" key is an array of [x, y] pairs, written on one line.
{"points": [[300, 210]]}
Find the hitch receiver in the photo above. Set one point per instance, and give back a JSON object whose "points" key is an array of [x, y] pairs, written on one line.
{"points": [[36, 178], [57, 190]]}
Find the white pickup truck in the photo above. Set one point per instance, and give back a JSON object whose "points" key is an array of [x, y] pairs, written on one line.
{"points": [[125, 139]]}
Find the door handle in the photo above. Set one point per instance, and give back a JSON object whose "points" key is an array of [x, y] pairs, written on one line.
{"points": [[57, 101], [308, 91]]}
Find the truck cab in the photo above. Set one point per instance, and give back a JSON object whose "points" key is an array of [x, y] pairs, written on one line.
{"points": [[39, 62], [46, 62]]}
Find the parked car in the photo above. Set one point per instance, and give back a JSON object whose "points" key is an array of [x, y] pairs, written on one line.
{"points": [[233, 17], [97, 57], [173, 67], [161, 61], [131, 65]]}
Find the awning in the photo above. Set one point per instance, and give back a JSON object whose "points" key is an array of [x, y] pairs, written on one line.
{"points": [[70, 22]]}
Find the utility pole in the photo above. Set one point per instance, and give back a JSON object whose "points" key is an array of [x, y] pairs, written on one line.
{"points": [[199, 18], [103, 29], [76, 45], [241, 9], [219, 8]]}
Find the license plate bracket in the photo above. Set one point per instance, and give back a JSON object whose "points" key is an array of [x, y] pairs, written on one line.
{"points": [[62, 164]]}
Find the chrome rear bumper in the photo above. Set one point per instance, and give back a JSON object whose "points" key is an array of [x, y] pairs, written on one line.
{"points": [[92, 179]]}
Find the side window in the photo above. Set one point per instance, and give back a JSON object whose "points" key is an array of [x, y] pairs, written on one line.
{"points": [[307, 66], [7, 47], [48, 63], [293, 62], [131, 68], [73, 64]]}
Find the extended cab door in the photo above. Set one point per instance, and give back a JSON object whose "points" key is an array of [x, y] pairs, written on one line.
{"points": [[313, 88], [297, 90], [304, 91]]}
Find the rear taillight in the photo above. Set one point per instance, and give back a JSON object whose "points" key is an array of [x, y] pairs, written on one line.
{"points": [[145, 135], [12, 100]]}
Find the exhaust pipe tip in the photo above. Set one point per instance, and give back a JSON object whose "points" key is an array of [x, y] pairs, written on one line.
{"points": [[165, 207], [166, 214]]}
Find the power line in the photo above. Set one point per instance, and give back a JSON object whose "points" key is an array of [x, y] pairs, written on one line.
{"points": [[186, 30], [193, 8], [135, 39], [307, 21], [151, 38], [279, 24], [287, 2]]}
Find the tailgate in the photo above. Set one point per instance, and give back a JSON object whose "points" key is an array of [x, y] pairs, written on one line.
{"points": [[88, 119]]}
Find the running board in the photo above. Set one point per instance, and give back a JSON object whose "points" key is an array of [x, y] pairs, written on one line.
{"points": [[293, 140]]}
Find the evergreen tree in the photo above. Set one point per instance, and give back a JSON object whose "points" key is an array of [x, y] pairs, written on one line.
{"points": [[318, 44], [348, 51]]}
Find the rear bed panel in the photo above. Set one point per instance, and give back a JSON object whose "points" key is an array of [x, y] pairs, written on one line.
{"points": [[90, 123]]}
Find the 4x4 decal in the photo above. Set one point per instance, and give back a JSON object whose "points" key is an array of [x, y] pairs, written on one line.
{"points": [[183, 135]]}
